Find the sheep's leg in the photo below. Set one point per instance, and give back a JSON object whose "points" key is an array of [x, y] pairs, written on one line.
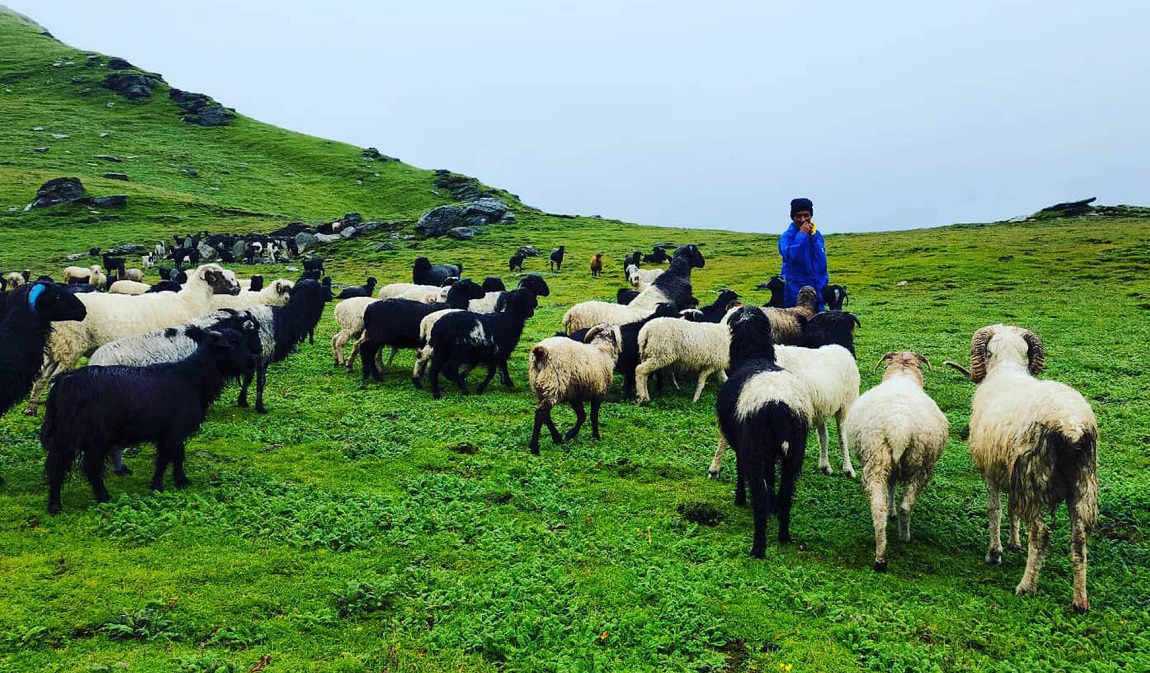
{"points": [[642, 371], [717, 461], [760, 504], [994, 514], [394, 350], [580, 417], [505, 375], [338, 342], [59, 461], [824, 447], [163, 457], [261, 379], [349, 362], [1078, 561], [879, 501], [51, 368], [492, 366], [848, 467], [595, 404], [242, 401], [629, 384], [176, 450], [433, 374], [94, 471], [909, 496], [542, 415], [118, 467], [792, 467], [702, 382], [1038, 540], [1013, 543], [891, 483], [740, 481], [421, 360], [455, 373], [368, 350]]}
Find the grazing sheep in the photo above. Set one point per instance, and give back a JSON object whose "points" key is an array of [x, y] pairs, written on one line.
{"points": [[423, 293], [674, 286], [96, 410], [658, 256], [787, 324], [128, 287], [112, 316], [464, 338], [133, 274], [148, 261], [117, 264], [763, 413], [365, 290], [79, 274], [587, 314], [277, 293], [596, 265], [423, 272], [349, 316], [628, 358], [557, 258], [1036, 440], [516, 262], [191, 254], [835, 297], [900, 434], [689, 346], [563, 371]]}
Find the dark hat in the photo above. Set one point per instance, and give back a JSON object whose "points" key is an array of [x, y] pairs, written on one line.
{"points": [[802, 204]]}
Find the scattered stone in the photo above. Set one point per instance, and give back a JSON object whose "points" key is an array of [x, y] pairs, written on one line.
{"points": [[437, 221], [61, 136], [117, 63], [116, 176], [352, 219], [76, 256], [41, 150], [463, 233], [326, 238], [903, 283], [462, 187], [129, 249], [104, 134], [113, 201], [508, 218], [528, 251], [490, 209], [37, 128], [384, 247], [348, 232], [109, 157], [207, 252], [369, 226], [371, 154], [58, 190], [200, 108], [305, 240], [190, 172], [93, 60], [243, 164], [131, 85], [359, 183]]}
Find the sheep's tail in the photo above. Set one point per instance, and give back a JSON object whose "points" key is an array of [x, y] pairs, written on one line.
{"points": [[538, 358], [1058, 469]]}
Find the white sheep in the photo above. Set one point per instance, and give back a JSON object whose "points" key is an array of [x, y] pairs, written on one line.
{"points": [[425, 293], [113, 316], [1036, 440], [641, 278], [561, 370], [134, 274], [15, 279], [128, 287], [349, 316], [587, 314], [275, 293], [73, 274], [899, 433], [691, 346]]}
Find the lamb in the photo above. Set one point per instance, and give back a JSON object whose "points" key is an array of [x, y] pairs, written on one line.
{"points": [[763, 412], [95, 410], [128, 287], [1036, 440], [900, 434], [669, 342], [30, 310], [674, 286], [365, 290], [787, 323], [164, 286], [641, 278], [561, 370], [466, 339], [396, 323], [349, 316], [423, 272], [628, 357], [557, 258], [835, 297], [596, 265], [424, 293], [112, 316], [277, 293]]}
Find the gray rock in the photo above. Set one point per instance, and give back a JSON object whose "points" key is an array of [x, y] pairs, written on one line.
{"points": [[326, 238], [116, 176], [348, 232], [352, 219], [129, 249], [508, 217], [77, 256], [490, 209], [463, 233], [109, 157], [238, 248], [58, 190], [133, 86], [437, 221], [305, 240], [37, 128], [370, 226], [528, 251], [104, 134], [384, 247], [117, 63], [207, 253], [190, 172], [474, 221], [113, 201], [41, 150]]}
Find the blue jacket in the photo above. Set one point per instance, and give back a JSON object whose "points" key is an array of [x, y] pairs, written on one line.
{"points": [[804, 261]]}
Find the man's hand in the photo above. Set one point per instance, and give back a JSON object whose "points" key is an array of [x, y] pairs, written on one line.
{"points": [[806, 228]]}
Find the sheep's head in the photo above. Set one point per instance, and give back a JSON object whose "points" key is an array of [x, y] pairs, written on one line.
{"points": [[808, 298], [221, 280], [535, 283], [604, 333], [994, 344], [903, 362], [691, 254], [51, 303], [282, 287]]}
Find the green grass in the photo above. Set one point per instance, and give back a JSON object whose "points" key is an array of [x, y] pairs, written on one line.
{"points": [[347, 530]]}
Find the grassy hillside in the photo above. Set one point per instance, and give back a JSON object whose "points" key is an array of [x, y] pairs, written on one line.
{"points": [[364, 527]]}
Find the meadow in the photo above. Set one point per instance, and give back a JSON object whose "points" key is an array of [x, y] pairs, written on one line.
{"points": [[362, 526]]}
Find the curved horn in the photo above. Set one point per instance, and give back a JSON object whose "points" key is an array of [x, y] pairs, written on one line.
{"points": [[593, 332], [884, 358], [978, 345], [959, 368], [1035, 353], [922, 359]]}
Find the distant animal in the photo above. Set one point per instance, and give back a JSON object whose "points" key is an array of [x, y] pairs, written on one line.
{"points": [[658, 256], [634, 259], [834, 296], [116, 264], [365, 290], [423, 272], [557, 258], [516, 262], [596, 265], [314, 264]]}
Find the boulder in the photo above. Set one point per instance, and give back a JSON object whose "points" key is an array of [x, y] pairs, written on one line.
{"points": [[77, 256], [58, 190], [527, 251], [437, 221], [113, 201], [200, 108], [190, 172], [369, 226], [348, 232], [490, 209], [116, 63], [116, 176], [352, 219], [109, 157], [41, 150], [129, 249], [131, 85], [474, 221], [384, 247], [463, 233], [326, 238], [207, 253], [238, 248]]}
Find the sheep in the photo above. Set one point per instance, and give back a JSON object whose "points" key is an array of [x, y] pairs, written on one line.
{"points": [[625, 296], [635, 259], [365, 290], [412, 291], [128, 287], [79, 274], [596, 265], [900, 434], [715, 311], [641, 278], [254, 284], [396, 323], [587, 314], [95, 410], [191, 254], [557, 258], [117, 264], [164, 286], [674, 286], [465, 338], [25, 326], [133, 274], [787, 323], [763, 412], [349, 316], [423, 272], [698, 347], [1036, 440], [533, 282], [835, 297], [277, 293], [658, 256], [516, 262], [628, 357], [314, 264], [493, 284], [111, 316], [16, 279], [148, 261], [776, 287], [561, 370]]}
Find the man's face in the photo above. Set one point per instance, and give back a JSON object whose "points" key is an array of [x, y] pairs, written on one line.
{"points": [[801, 217]]}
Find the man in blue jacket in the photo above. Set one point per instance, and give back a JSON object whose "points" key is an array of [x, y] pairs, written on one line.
{"points": [[804, 255]]}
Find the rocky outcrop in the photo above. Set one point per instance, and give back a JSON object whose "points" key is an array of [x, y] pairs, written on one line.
{"points": [[438, 221], [472, 218], [59, 190], [132, 85], [201, 109]]}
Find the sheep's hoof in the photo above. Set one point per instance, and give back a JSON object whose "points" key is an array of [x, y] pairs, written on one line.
{"points": [[712, 474], [1014, 546], [242, 403], [122, 471], [534, 449], [417, 382], [827, 470], [1082, 609], [183, 483], [904, 538], [784, 536], [1024, 589], [30, 411], [994, 557], [571, 434], [759, 553], [850, 473], [880, 566], [55, 508], [261, 409]]}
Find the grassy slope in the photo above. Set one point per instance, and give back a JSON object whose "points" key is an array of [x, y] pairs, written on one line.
{"points": [[342, 532]]}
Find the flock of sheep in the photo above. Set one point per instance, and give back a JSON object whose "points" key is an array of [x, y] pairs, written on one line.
{"points": [[163, 358]]}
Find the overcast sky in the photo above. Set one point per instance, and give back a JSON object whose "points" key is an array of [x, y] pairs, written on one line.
{"points": [[889, 115]]}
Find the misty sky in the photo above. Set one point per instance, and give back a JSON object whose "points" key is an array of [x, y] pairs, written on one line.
{"points": [[889, 115]]}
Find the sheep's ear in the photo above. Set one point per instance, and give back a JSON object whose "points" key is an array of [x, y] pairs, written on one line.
{"points": [[978, 353], [196, 334], [1035, 353], [282, 288], [884, 358], [923, 360]]}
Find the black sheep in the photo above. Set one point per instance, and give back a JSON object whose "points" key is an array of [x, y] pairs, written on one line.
{"points": [[314, 264], [674, 286], [831, 327], [256, 284], [625, 295], [715, 311], [535, 284], [835, 297], [516, 262], [468, 339], [658, 256], [557, 258], [365, 290], [493, 284], [94, 410], [165, 286], [423, 272], [634, 259], [115, 264], [764, 413], [776, 286]]}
